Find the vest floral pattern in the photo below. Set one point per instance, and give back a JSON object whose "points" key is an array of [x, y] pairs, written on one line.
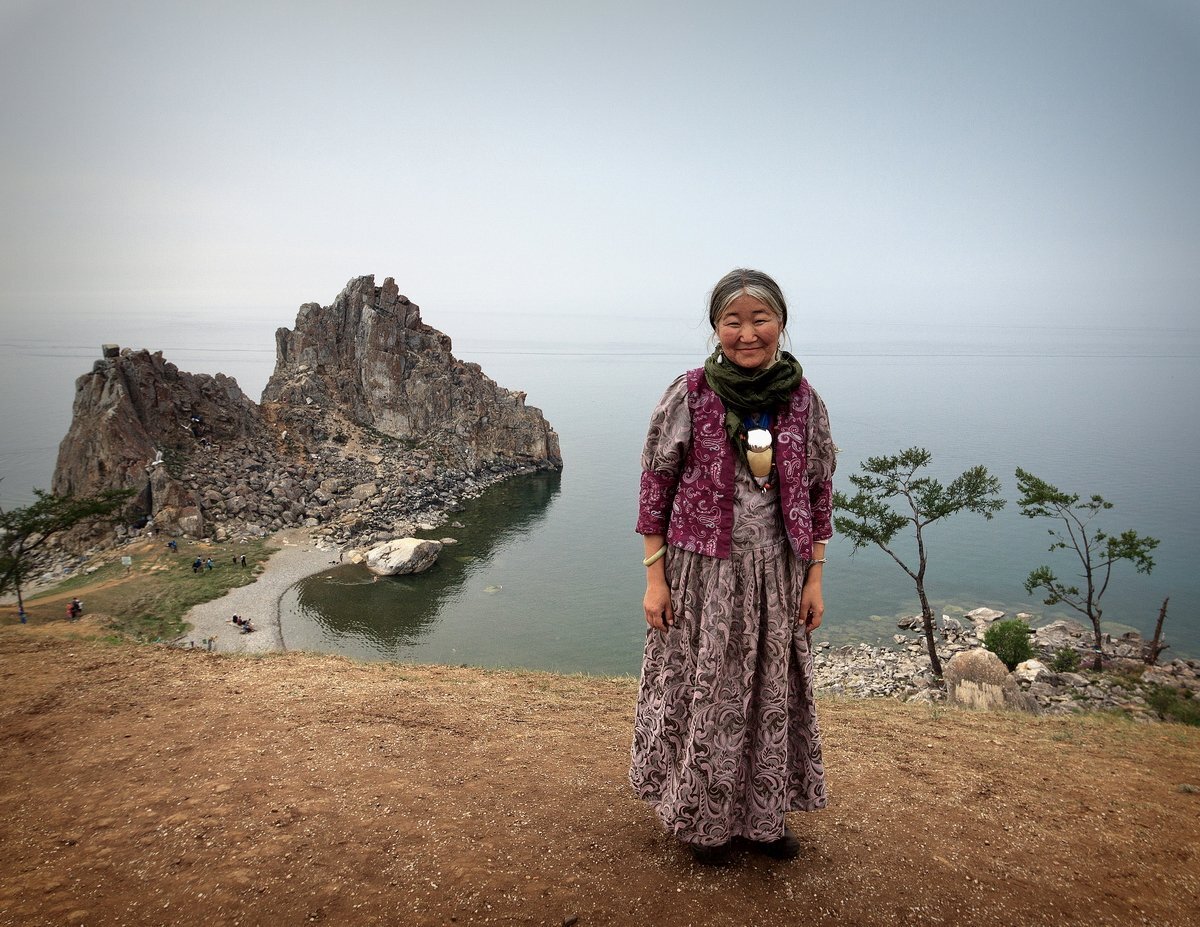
{"points": [[687, 489]]}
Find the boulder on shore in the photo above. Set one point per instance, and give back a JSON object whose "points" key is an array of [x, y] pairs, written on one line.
{"points": [[403, 555]]}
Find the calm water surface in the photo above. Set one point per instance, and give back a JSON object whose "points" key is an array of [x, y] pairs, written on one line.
{"points": [[547, 571]]}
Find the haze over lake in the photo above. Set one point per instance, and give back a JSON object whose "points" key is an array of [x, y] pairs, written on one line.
{"points": [[986, 218]]}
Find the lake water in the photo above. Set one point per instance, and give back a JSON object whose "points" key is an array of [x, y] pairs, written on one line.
{"points": [[547, 572]]}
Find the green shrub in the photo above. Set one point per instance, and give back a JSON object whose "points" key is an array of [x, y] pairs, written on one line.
{"points": [[1009, 640], [1066, 660], [1174, 704]]}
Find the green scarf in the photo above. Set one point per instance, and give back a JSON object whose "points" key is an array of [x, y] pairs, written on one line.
{"points": [[745, 392]]}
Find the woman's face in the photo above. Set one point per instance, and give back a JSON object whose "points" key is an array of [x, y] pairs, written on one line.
{"points": [[749, 333]]}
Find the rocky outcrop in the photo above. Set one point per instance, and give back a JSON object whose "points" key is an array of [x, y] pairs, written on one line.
{"points": [[368, 361], [137, 423], [368, 424]]}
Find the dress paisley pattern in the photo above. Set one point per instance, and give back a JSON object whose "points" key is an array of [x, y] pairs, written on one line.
{"points": [[726, 739]]}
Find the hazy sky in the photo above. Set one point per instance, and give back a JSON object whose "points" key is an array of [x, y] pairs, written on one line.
{"points": [[986, 161]]}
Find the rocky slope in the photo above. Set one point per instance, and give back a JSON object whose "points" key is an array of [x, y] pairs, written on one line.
{"points": [[903, 671], [368, 424]]}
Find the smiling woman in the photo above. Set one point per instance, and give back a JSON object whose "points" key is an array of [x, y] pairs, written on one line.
{"points": [[726, 739], [749, 333]]}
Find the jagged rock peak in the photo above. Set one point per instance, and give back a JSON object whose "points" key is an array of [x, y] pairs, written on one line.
{"points": [[367, 423], [136, 418], [367, 360]]}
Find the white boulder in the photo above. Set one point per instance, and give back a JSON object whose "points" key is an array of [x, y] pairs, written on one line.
{"points": [[403, 555]]}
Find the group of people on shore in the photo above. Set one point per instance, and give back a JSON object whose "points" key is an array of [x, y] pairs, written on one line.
{"points": [[200, 564], [243, 623]]}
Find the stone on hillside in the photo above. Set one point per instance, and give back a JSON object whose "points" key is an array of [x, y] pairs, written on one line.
{"points": [[978, 679], [982, 619], [190, 522], [1031, 671], [403, 555], [1060, 633]]}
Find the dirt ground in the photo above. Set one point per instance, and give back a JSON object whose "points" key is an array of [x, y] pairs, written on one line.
{"points": [[143, 785]]}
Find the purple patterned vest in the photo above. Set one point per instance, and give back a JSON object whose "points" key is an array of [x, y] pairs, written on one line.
{"points": [[700, 500]]}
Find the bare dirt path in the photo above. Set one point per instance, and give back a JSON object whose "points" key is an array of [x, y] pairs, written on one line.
{"points": [[145, 785]]}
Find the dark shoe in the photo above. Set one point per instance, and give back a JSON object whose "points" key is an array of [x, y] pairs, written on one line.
{"points": [[786, 847], [710, 856]]}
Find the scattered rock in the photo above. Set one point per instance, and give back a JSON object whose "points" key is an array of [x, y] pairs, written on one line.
{"points": [[983, 618], [903, 672], [1031, 670]]}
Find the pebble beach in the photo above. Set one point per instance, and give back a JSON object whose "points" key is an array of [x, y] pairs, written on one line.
{"points": [[298, 556]]}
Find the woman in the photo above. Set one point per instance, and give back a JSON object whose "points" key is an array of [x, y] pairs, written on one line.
{"points": [[735, 507]]}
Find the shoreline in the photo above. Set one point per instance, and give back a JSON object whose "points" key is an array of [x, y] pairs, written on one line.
{"points": [[298, 556], [899, 672]]}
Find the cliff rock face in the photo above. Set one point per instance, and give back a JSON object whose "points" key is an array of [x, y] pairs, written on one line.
{"points": [[369, 360], [368, 424], [137, 419]]}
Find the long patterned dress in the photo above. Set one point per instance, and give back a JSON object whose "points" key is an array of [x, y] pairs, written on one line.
{"points": [[725, 734]]}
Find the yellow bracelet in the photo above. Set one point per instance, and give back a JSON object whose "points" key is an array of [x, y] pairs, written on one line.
{"points": [[655, 557]]}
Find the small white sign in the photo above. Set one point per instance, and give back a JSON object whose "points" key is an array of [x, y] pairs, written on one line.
{"points": [[126, 561]]}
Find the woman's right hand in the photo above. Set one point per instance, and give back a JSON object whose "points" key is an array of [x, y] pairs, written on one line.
{"points": [[657, 605]]}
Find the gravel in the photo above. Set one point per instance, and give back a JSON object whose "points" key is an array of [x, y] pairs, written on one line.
{"points": [[299, 556]]}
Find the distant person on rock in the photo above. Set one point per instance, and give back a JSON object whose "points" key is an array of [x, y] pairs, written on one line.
{"points": [[735, 508]]}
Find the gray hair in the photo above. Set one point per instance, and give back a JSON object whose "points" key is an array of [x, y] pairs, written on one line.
{"points": [[753, 283]]}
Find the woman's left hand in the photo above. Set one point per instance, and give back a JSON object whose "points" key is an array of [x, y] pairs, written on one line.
{"points": [[812, 606]]}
